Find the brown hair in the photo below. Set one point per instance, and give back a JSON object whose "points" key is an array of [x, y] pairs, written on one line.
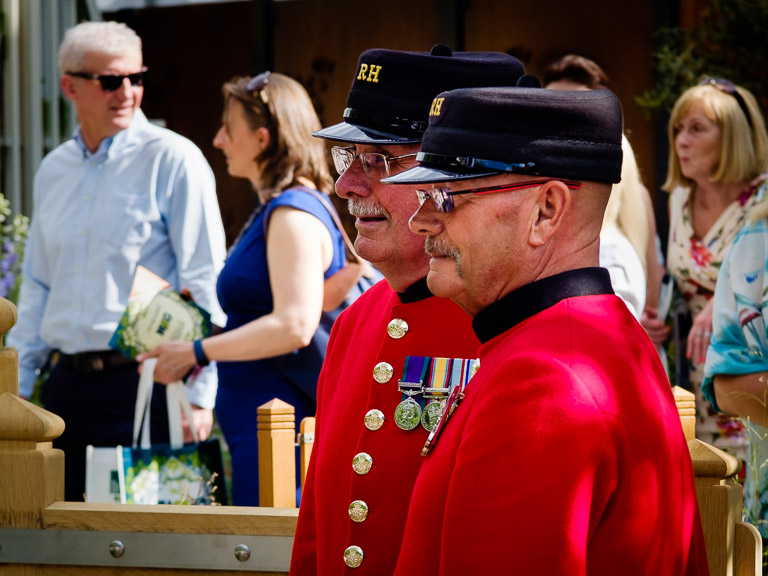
{"points": [[285, 109], [576, 69]]}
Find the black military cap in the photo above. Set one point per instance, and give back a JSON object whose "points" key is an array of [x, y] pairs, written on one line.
{"points": [[486, 131], [393, 90]]}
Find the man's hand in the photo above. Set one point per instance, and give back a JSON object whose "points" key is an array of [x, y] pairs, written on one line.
{"points": [[202, 420]]}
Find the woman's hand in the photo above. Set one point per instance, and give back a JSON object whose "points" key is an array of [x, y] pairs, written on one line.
{"points": [[202, 420], [657, 329], [174, 361], [700, 334]]}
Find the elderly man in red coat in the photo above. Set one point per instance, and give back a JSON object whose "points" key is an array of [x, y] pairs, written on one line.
{"points": [[398, 350], [564, 455]]}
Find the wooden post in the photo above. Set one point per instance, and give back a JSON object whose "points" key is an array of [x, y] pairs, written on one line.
{"points": [[734, 548], [686, 408], [277, 454], [306, 442], [31, 471]]}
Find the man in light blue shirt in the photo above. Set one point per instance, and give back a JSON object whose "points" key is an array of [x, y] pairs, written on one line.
{"points": [[121, 193]]}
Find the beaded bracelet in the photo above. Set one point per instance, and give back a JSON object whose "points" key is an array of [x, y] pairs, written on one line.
{"points": [[200, 357]]}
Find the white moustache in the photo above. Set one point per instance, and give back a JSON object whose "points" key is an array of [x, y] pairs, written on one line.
{"points": [[360, 209], [434, 246]]}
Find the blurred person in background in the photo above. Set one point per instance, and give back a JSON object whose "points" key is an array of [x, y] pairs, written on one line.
{"points": [[630, 217], [121, 193], [736, 371], [272, 284], [718, 150]]}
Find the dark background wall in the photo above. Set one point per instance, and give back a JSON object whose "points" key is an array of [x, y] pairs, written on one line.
{"points": [[192, 50]]}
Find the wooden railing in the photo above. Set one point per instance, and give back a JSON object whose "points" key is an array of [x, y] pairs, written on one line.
{"points": [[41, 534]]}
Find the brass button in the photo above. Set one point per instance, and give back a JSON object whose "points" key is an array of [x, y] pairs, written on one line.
{"points": [[362, 463], [358, 511], [383, 372], [353, 556], [374, 419], [397, 328]]}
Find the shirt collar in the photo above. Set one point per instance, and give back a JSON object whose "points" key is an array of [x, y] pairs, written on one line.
{"points": [[536, 297], [415, 292], [122, 138]]}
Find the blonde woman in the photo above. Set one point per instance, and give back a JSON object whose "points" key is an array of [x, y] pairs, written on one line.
{"points": [[718, 150]]}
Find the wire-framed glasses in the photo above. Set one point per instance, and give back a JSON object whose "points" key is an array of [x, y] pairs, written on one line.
{"points": [[442, 198], [375, 164]]}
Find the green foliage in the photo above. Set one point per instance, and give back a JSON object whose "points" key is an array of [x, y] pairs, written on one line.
{"points": [[14, 230], [729, 40]]}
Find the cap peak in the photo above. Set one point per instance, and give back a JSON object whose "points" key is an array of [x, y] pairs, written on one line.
{"points": [[441, 50]]}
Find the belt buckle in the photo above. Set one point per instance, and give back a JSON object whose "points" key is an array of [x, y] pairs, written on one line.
{"points": [[97, 364]]}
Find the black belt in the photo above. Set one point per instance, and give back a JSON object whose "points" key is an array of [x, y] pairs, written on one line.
{"points": [[99, 361]]}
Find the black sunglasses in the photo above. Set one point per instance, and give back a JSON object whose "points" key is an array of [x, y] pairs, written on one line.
{"points": [[729, 88], [112, 82]]}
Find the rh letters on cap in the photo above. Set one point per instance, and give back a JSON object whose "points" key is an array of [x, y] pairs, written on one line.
{"points": [[369, 73], [437, 103]]}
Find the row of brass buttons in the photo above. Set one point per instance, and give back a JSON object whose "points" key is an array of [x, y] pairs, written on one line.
{"points": [[362, 462]]}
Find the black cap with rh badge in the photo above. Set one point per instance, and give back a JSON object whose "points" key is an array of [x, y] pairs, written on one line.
{"points": [[479, 132], [392, 91]]}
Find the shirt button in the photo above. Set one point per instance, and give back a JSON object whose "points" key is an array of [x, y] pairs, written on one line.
{"points": [[81, 233], [374, 419], [362, 463], [382, 372], [358, 511], [353, 556], [397, 328], [87, 198]]}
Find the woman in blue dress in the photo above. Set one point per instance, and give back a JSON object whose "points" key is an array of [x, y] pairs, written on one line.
{"points": [[271, 286]]}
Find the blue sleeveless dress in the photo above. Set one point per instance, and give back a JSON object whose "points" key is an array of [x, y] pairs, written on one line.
{"points": [[245, 294]]}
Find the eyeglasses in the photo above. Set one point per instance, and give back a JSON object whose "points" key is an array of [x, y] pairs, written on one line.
{"points": [[729, 88], [375, 164], [442, 198], [112, 82], [260, 83]]}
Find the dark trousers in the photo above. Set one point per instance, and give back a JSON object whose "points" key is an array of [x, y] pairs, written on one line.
{"points": [[98, 409]]}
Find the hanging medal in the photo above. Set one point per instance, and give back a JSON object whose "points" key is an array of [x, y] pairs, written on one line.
{"points": [[462, 373], [436, 391], [408, 412]]}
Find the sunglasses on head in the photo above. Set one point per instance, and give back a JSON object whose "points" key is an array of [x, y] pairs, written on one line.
{"points": [[259, 83], [729, 88], [112, 82]]}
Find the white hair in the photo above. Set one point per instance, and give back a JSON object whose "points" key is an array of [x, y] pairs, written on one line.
{"points": [[111, 38]]}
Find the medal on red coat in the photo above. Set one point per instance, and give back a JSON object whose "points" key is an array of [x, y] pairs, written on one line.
{"points": [[408, 412], [437, 389], [464, 370]]}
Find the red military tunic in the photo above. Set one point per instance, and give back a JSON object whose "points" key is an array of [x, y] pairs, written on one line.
{"points": [[566, 456], [347, 391]]}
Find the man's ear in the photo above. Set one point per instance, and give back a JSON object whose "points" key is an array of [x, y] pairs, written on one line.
{"points": [[550, 208], [68, 87]]}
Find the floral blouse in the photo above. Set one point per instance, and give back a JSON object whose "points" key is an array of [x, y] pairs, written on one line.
{"points": [[695, 264]]}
